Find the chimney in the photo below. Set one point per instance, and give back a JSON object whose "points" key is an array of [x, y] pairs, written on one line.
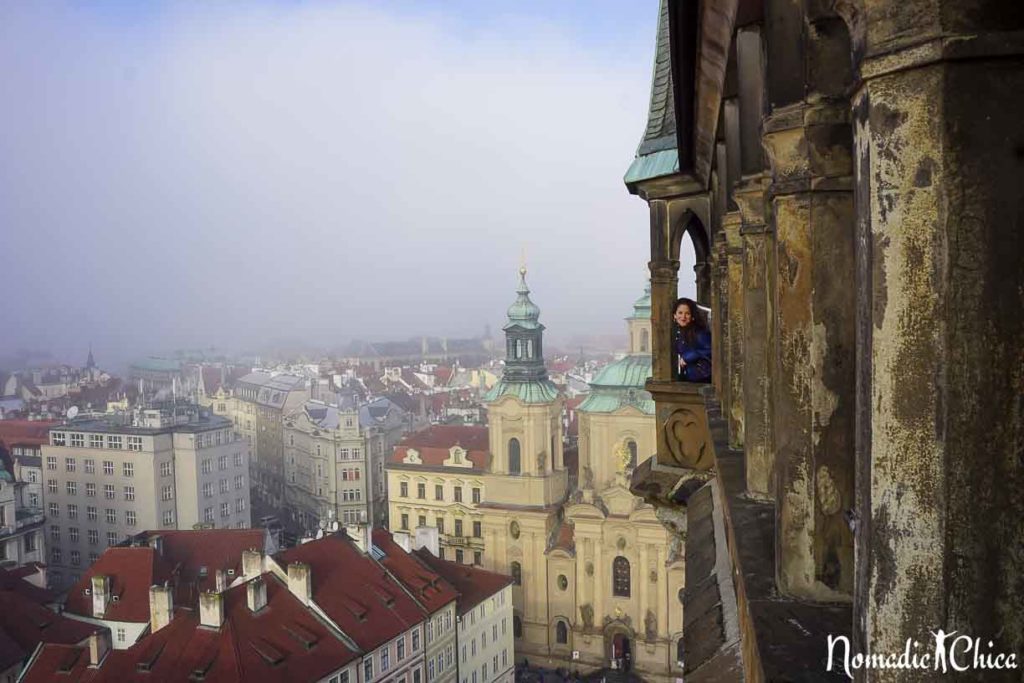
{"points": [[256, 594], [99, 646], [403, 539], [156, 542], [100, 595], [357, 534], [300, 581], [221, 578], [426, 537], [161, 607], [211, 609], [252, 563]]}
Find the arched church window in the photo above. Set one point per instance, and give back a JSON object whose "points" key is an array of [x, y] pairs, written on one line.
{"points": [[529, 348], [631, 446], [517, 626], [561, 632], [519, 348], [620, 577], [679, 651], [645, 341], [514, 465], [517, 573]]}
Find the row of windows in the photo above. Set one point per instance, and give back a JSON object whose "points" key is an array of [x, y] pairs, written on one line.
{"points": [[421, 492], [57, 555], [385, 656], [483, 669], [225, 509], [91, 535], [206, 465], [481, 609], [351, 495], [223, 486], [443, 661], [112, 441], [89, 466], [438, 625], [109, 490], [205, 439], [348, 474], [439, 523], [91, 514]]}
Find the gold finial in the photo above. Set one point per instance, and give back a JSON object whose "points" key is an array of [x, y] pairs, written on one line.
{"points": [[522, 261]]}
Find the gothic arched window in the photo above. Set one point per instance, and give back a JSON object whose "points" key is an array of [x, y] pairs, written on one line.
{"points": [[620, 577], [514, 465], [517, 573], [561, 632]]}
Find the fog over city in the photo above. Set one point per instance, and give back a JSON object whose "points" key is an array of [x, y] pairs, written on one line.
{"points": [[273, 173]]}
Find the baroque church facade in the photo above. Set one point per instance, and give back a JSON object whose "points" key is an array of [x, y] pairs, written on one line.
{"points": [[597, 576]]}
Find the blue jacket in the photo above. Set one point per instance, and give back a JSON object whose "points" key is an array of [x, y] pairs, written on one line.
{"points": [[691, 353]]}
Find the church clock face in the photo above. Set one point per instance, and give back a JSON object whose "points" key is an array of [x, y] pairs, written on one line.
{"points": [[513, 529]]}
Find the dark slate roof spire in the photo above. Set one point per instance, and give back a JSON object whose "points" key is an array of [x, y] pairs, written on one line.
{"points": [[660, 133]]}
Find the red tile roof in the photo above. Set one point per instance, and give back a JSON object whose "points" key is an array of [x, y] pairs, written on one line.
{"points": [[443, 375], [16, 580], [473, 584], [354, 591], [426, 586], [24, 623], [132, 571], [282, 642], [25, 432], [434, 444], [189, 552]]}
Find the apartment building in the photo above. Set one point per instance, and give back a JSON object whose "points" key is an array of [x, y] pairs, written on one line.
{"points": [[261, 400], [435, 479], [21, 500], [334, 459], [485, 620], [169, 467], [435, 596]]}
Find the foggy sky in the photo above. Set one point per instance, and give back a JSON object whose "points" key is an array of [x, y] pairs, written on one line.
{"points": [[245, 175]]}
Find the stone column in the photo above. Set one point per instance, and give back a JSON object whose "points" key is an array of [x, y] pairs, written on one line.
{"points": [[940, 142], [734, 327], [757, 241], [642, 592], [812, 402]]}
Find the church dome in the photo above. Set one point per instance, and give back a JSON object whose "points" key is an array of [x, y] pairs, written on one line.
{"points": [[642, 306], [523, 313]]}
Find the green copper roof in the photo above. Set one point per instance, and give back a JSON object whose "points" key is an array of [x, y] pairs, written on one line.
{"points": [[157, 364], [657, 155], [621, 384], [655, 165], [642, 306], [538, 391], [523, 313]]}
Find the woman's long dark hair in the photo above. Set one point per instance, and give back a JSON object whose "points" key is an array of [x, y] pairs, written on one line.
{"points": [[699, 322]]}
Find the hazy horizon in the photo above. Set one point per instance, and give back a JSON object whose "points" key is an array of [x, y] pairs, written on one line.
{"points": [[186, 176]]}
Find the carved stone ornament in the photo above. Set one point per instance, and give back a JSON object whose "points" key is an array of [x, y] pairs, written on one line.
{"points": [[513, 529], [654, 576], [542, 459], [590, 569], [686, 438], [621, 543], [651, 626], [587, 615]]}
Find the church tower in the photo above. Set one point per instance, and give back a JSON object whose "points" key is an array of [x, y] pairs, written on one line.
{"points": [[524, 414], [526, 480]]}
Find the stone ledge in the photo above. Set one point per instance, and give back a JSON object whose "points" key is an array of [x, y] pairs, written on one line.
{"points": [[782, 639]]}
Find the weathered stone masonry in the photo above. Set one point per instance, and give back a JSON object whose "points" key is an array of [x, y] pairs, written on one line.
{"points": [[852, 172]]}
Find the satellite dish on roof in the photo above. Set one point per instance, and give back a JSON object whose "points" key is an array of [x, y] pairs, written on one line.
{"points": [[72, 412]]}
